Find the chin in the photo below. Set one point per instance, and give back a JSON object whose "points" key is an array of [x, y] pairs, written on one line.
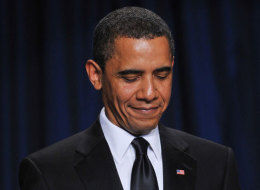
{"points": [[142, 129]]}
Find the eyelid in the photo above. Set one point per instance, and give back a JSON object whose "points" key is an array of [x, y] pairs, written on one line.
{"points": [[162, 74], [130, 79], [129, 76]]}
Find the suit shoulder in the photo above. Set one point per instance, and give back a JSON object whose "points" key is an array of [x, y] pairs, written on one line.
{"points": [[195, 142], [60, 150]]}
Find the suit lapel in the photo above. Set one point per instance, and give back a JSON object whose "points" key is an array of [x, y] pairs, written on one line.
{"points": [[94, 163], [175, 158]]}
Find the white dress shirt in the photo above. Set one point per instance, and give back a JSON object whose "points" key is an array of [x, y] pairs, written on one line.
{"points": [[123, 152]]}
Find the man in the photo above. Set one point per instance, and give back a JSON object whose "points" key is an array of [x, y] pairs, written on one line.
{"points": [[127, 148]]}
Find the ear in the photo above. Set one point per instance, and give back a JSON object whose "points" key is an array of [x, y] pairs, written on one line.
{"points": [[94, 73]]}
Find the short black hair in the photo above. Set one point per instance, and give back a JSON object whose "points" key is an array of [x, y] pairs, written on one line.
{"points": [[131, 22]]}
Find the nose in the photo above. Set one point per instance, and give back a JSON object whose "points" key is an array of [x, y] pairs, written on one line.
{"points": [[148, 90]]}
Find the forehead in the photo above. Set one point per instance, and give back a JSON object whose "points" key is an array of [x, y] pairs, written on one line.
{"points": [[131, 52]]}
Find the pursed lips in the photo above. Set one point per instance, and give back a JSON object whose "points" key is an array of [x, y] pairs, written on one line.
{"points": [[145, 108], [145, 111]]}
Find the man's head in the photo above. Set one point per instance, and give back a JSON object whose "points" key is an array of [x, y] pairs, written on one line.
{"points": [[133, 60], [131, 22]]}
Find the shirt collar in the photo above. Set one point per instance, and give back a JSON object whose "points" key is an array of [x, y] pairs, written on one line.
{"points": [[154, 140], [119, 140]]}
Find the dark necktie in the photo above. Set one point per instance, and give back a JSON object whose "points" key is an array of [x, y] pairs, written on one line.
{"points": [[143, 175]]}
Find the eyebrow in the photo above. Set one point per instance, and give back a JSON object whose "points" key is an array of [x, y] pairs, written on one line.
{"points": [[130, 71], [134, 71], [162, 69]]}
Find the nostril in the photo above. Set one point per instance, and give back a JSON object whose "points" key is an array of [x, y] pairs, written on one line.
{"points": [[147, 97]]}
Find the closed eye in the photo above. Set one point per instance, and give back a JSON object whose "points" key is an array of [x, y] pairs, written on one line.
{"points": [[130, 78], [130, 75], [162, 75]]}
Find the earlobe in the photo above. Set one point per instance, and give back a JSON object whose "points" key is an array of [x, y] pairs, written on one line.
{"points": [[94, 74]]}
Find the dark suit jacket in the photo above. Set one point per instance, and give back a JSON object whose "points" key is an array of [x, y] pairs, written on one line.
{"points": [[84, 162]]}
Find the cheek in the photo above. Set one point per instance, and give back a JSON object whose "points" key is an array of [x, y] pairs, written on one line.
{"points": [[165, 90], [126, 92], [122, 92]]}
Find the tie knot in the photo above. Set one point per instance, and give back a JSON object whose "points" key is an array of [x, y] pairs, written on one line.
{"points": [[140, 145]]}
